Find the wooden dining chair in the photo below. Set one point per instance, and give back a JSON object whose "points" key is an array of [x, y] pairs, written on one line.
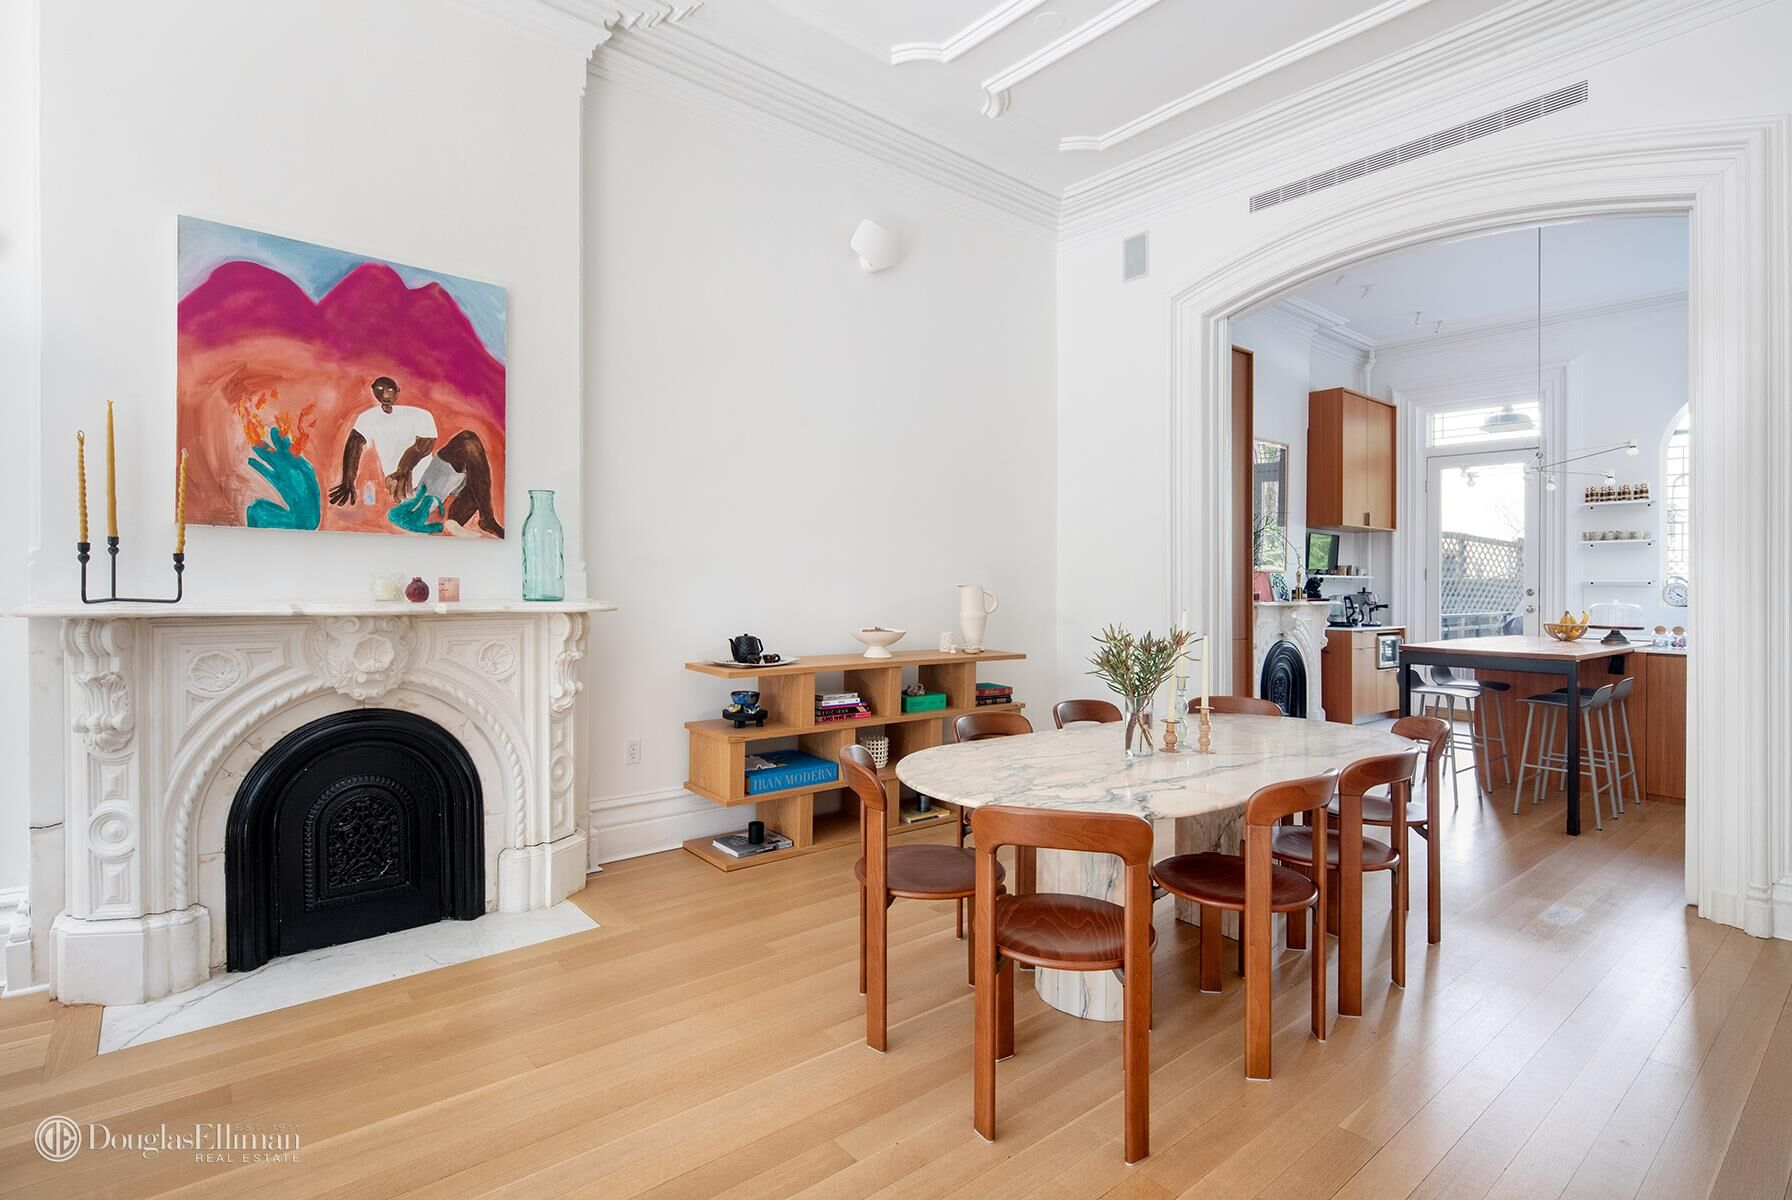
{"points": [[1294, 844], [992, 722], [1250, 883], [888, 873], [1072, 712], [1421, 816], [1063, 933], [1248, 706]]}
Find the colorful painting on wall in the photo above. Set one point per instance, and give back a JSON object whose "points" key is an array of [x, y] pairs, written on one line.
{"points": [[320, 389]]}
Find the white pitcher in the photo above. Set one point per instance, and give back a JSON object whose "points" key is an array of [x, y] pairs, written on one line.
{"points": [[974, 607]]}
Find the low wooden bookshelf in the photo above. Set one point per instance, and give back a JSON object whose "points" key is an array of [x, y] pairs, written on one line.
{"points": [[787, 693]]}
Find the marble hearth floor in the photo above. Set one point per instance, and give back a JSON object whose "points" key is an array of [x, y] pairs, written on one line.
{"points": [[332, 970]]}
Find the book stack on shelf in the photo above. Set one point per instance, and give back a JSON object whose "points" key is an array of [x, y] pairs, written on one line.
{"points": [[788, 769], [994, 693], [839, 706], [737, 845]]}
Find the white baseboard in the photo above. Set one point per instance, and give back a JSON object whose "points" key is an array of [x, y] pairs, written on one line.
{"points": [[649, 822], [15, 948]]}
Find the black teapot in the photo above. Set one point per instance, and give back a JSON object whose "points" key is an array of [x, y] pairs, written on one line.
{"points": [[750, 651]]}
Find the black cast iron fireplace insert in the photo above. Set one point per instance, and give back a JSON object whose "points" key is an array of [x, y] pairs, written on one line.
{"points": [[357, 824], [1284, 680]]}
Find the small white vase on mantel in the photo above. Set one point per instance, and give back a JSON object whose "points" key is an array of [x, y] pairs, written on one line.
{"points": [[974, 607]]}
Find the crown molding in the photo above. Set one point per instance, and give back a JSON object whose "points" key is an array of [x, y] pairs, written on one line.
{"points": [[1323, 330], [1501, 328], [682, 67], [997, 86], [1325, 39], [1448, 77], [968, 38], [583, 25]]}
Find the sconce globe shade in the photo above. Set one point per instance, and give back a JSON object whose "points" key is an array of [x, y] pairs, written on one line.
{"points": [[878, 248]]}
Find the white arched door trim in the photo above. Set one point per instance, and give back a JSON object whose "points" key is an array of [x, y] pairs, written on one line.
{"points": [[1728, 178]]}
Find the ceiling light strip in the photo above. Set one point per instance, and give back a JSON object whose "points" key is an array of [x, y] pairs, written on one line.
{"points": [[1443, 139]]}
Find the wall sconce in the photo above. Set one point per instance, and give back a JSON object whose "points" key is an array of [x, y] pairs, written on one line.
{"points": [[878, 248]]}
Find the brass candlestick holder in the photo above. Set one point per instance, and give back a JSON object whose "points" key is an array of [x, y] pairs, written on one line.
{"points": [[83, 553], [1205, 746]]}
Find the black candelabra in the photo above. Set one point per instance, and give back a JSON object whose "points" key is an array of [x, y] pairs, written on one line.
{"points": [[83, 552]]}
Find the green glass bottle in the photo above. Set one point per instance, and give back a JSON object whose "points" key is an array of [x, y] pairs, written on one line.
{"points": [[544, 550]]}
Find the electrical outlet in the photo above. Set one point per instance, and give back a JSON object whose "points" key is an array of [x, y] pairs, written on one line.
{"points": [[631, 752]]}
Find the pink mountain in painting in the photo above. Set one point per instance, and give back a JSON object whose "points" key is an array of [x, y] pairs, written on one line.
{"points": [[370, 316]]}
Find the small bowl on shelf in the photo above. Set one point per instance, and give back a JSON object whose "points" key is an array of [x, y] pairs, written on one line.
{"points": [[1565, 632], [878, 640]]}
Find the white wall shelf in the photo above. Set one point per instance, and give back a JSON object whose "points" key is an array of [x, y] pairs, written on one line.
{"points": [[1618, 504], [1619, 542]]}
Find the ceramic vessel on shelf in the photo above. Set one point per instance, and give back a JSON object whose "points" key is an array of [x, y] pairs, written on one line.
{"points": [[544, 550], [974, 607], [878, 640], [416, 591]]}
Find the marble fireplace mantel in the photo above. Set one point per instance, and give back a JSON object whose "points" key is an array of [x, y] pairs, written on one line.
{"points": [[1301, 622], [169, 705]]}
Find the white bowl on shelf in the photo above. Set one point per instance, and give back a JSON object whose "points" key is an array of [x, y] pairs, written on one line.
{"points": [[878, 640]]}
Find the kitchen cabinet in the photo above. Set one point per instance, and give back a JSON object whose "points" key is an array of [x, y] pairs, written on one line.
{"points": [[1353, 683], [1351, 461], [1663, 728]]}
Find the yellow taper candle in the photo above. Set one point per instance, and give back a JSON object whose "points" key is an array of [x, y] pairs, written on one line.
{"points": [[180, 506], [81, 479], [111, 475]]}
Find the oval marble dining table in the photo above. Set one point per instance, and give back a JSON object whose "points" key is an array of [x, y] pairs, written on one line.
{"points": [[1195, 801]]}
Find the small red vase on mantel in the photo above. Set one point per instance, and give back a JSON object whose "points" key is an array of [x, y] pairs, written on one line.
{"points": [[416, 591]]}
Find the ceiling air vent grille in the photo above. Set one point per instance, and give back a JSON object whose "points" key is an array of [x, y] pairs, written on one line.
{"points": [[1443, 139]]}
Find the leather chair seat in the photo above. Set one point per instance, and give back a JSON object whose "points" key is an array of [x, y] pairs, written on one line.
{"points": [[1048, 929], [1295, 843], [929, 872], [1217, 880]]}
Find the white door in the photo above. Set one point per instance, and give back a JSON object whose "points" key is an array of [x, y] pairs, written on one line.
{"points": [[1481, 544]]}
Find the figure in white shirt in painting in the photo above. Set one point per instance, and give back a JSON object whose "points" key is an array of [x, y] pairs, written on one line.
{"points": [[455, 480]]}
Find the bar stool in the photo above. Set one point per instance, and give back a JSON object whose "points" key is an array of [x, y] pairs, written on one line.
{"points": [[1594, 703], [1445, 685], [1251, 884], [1617, 715], [1072, 712], [888, 873], [1063, 933]]}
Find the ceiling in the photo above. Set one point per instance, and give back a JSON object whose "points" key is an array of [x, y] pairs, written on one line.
{"points": [[1054, 92], [1493, 278]]}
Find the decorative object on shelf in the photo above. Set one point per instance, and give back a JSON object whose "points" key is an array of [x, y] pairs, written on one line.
{"points": [[1679, 642], [741, 845], [416, 591], [1313, 585], [745, 650], [877, 745], [544, 549], [744, 707], [948, 643], [916, 699], [261, 315], [878, 640], [1260, 586], [1674, 592], [386, 586], [448, 589], [84, 548], [974, 607], [1278, 587], [756, 833], [1135, 668]]}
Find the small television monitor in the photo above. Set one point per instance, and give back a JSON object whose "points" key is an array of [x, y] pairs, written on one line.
{"points": [[1322, 553]]}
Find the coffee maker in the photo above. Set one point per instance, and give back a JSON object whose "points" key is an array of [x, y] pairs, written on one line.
{"points": [[1361, 607]]}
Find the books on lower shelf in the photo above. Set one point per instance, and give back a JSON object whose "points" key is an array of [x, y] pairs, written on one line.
{"points": [[736, 845], [776, 770], [840, 706], [911, 815], [994, 693]]}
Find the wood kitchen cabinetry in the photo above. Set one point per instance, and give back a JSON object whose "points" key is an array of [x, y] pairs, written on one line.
{"points": [[1352, 683], [1351, 460]]}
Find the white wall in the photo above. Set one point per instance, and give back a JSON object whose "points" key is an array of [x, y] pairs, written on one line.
{"points": [[784, 445], [1628, 379], [1116, 359]]}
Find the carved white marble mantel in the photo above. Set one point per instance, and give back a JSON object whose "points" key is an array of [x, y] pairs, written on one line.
{"points": [[169, 705], [1301, 622]]}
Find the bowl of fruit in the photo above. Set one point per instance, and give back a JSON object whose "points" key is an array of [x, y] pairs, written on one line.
{"points": [[1567, 629]]}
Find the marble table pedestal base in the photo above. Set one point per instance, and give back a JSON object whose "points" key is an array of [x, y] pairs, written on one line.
{"points": [[1096, 995]]}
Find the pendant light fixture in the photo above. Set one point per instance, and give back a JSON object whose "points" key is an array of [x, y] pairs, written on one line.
{"points": [[1508, 420]]}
